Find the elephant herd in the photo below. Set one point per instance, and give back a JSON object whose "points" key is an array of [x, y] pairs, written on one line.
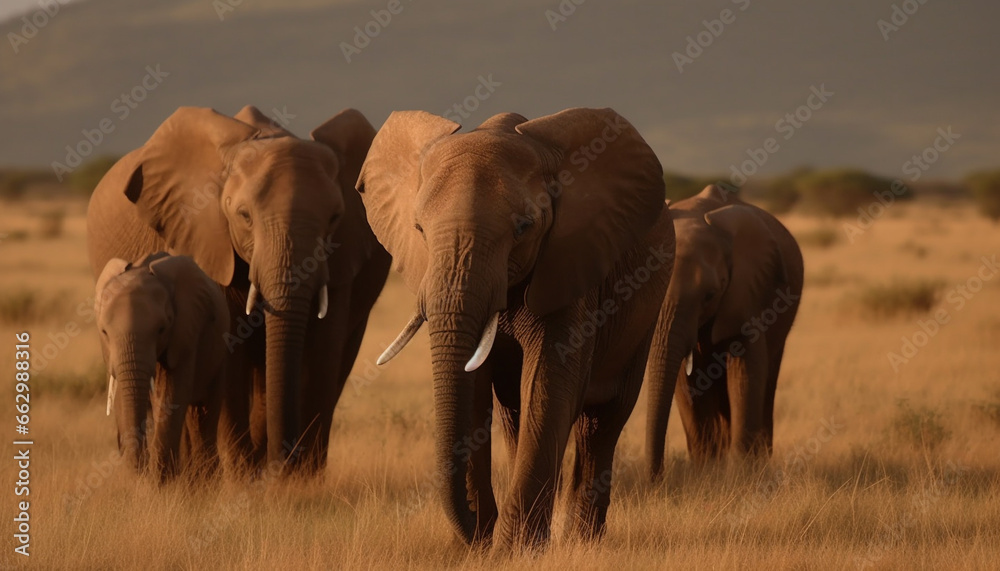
{"points": [[237, 265]]}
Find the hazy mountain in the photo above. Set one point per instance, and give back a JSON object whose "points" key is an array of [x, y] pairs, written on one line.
{"points": [[890, 97]]}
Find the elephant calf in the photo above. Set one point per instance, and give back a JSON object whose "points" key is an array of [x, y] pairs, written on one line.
{"points": [[731, 302], [161, 323]]}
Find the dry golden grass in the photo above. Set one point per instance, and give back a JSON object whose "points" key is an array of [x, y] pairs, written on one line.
{"points": [[908, 479]]}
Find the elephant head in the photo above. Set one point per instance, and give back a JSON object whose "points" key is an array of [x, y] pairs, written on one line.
{"points": [[515, 213], [727, 262], [223, 190]]}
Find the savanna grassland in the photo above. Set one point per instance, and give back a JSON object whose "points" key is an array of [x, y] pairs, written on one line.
{"points": [[873, 467]]}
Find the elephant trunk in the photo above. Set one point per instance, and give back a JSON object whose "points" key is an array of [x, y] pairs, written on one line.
{"points": [[291, 276], [132, 377], [673, 341], [453, 338], [286, 327]]}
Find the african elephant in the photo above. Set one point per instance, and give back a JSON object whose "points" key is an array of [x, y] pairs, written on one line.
{"points": [[276, 220], [731, 302], [162, 318], [539, 252]]}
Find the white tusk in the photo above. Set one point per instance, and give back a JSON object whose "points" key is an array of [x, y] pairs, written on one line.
{"points": [[690, 363], [323, 302], [111, 394], [485, 344], [251, 298], [404, 337]]}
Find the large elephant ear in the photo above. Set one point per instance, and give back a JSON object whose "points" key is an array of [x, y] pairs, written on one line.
{"points": [[266, 126], [388, 185], [191, 294], [756, 268], [114, 268], [178, 183], [349, 135], [610, 194]]}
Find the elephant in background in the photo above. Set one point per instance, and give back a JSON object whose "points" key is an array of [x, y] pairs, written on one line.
{"points": [[539, 252], [733, 297], [164, 319], [275, 219]]}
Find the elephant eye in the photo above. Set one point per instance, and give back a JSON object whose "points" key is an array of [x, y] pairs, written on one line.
{"points": [[163, 329], [419, 228], [522, 224], [244, 214]]}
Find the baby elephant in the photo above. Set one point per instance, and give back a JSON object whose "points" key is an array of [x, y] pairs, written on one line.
{"points": [[731, 301], [161, 323]]}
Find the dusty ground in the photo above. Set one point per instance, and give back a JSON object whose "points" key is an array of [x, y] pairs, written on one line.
{"points": [[872, 467]]}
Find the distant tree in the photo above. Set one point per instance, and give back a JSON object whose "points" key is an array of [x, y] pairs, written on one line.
{"points": [[781, 193], [85, 178], [985, 187], [840, 192]]}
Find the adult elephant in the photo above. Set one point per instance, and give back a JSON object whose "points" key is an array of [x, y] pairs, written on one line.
{"points": [[276, 220], [539, 252], [731, 303]]}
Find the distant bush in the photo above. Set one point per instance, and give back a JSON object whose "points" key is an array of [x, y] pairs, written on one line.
{"points": [[841, 192], [85, 178], [899, 298], [14, 182], [18, 307], [52, 223], [921, 427], [822, 237], [91, 383], [985, 187]]}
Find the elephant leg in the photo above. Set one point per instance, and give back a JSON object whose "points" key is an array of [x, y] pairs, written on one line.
{"points": [[551, 398], [747, 386], [597, 432], [506, 373], [479, 480], [170, 407], [324, 372], [703, 412], [234, 420], [257, 373], [773, 368]]}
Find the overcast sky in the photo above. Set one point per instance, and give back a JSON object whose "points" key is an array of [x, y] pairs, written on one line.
{"points": [[888, 87]]}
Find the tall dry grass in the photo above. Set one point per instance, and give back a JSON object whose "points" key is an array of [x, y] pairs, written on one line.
{"points": [[872, 467]]}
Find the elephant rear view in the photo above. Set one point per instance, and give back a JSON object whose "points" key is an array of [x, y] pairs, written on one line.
{"points": [[275, 220], [731, 302], [161, 323]]}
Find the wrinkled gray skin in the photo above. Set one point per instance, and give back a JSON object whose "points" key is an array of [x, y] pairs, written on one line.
{"points": [[163, 319], [731, 302]]}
